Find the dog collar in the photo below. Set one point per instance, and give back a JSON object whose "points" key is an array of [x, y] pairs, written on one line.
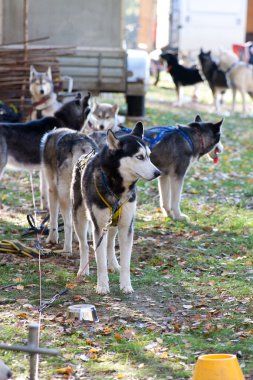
{"points": [[228, 71], [116, 208], [41, 101]]}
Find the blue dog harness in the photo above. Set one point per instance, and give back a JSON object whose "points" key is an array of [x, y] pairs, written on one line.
{"points": [[154, 135]]}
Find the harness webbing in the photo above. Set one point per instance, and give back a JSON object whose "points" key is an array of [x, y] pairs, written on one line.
{"points": [[115, 210], [154, 135]]}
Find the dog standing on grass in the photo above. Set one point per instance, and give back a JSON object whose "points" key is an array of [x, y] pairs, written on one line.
{"points": [[104, 191], [181, 75], [20, 142], [44, 99], [239, 76], [215, 77], [60, 149]]}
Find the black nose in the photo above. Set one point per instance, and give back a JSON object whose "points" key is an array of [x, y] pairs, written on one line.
{"points": [[101, 127], [157, 173], [9, 374], [42, 91]]}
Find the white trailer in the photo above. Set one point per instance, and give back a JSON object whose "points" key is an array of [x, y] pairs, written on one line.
{"points": [[195, 24]]}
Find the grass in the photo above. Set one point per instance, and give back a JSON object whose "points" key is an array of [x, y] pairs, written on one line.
{"points": [[192, 281]]}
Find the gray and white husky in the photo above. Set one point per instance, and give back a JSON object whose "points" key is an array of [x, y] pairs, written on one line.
{"points": [[104, 190], [174, 150], [44, 99], [20, 142], [60, 150], [102, 116]]}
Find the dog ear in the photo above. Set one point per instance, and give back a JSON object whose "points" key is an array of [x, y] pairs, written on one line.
{"points": [[217, 126], [49, 73], [93, 103], [112, 141], [138, 130], [32, 72], [198, 119], [115, 109], [85, 100]]}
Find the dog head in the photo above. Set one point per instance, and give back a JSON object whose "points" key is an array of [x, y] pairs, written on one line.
{"points": [[131, 155], [41, 83], [209, 135], [170, 58], [205, 58], [101, 118], [5, 372], [73, 114]]}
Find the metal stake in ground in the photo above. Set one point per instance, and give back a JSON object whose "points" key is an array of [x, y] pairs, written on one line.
{"points": [[33, 349]]}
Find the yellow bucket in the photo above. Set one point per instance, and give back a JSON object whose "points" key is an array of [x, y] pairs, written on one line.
{"points": [[217, 367]]}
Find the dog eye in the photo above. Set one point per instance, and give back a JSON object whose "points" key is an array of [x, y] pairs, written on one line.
{"points": [[140, 157]]}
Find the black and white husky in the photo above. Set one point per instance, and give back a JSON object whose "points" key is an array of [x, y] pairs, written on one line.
{"points": [[20, 142], [44, 99], [104, 191]]}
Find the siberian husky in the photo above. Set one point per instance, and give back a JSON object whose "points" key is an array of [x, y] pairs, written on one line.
{"points": [[44, 99], [173, 151], [239, 75], [20, 142], [215, 77], [104, 192], [60, 149], [181, 75], [102, 116]]}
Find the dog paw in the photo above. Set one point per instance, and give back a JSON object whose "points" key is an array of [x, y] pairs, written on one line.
{"points": [[67, 249], [101, 289], [182, 217], [113, 267], [83, 272], [127, 289], [52, 237]]}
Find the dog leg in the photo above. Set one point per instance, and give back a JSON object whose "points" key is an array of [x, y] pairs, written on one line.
{"points": [[233, 99], [102, 272], [53, 211], [126, 232], [165, 196], [243, 102], [81, 227], [65, 206], [43, 191], [113, 264], [176, 190]]}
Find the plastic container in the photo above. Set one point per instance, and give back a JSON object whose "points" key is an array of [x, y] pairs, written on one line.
{"points": [[217, 367]]}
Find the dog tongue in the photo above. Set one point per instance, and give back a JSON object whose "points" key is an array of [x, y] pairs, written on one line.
{"points": [[216, 160]]}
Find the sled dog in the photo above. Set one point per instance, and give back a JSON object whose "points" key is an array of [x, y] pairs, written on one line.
{"points": [[44, 99], [104, 191], [174, 150], [20, 142], [60, 149]]}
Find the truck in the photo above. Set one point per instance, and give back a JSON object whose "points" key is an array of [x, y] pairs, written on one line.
{"points": [[195, 24], [92, 34]]}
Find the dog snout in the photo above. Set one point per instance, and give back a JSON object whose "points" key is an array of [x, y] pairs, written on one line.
{"points": [[9, 374], [42, 91], [102, 127], [157, 173]]}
